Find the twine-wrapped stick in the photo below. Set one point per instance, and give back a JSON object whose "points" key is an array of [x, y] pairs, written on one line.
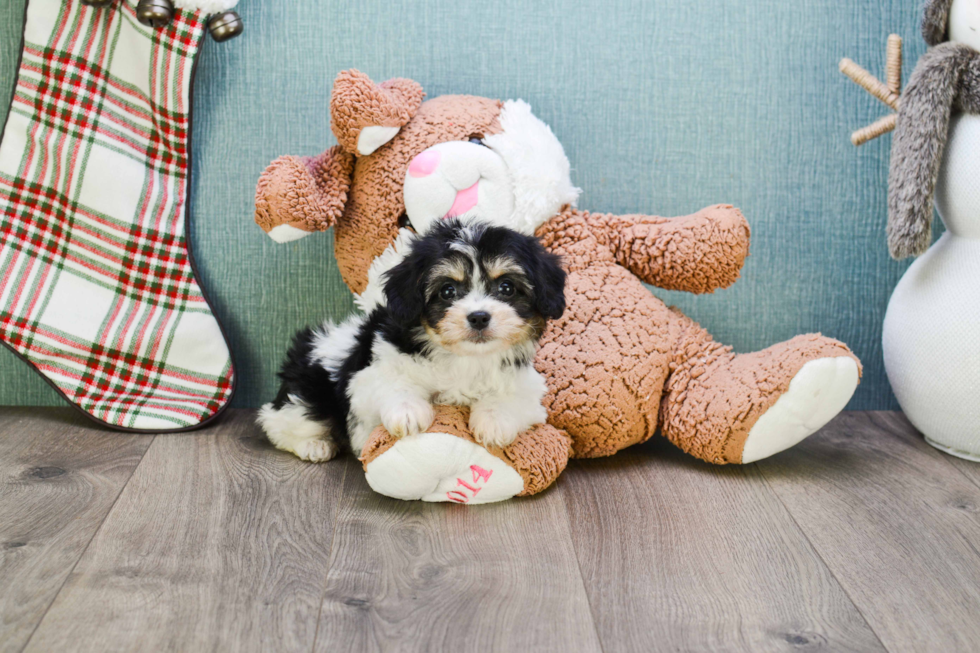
{"points": [[890, 93]]}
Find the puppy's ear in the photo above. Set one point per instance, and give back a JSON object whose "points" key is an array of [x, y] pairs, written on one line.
{"points": [[403, 290], [548, 279]]}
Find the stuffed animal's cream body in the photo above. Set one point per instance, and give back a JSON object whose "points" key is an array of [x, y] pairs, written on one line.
{"points": [[931, 337], [620, 365]]}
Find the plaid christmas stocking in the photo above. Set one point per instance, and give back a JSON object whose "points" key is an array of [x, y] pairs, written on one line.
{"points": [[97, 287]]}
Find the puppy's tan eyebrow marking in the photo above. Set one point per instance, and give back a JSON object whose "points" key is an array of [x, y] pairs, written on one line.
{"points": [[501, 265], [455, 269]]}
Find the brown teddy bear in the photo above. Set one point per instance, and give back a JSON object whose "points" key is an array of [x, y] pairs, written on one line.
{"points": [[619, 365]]}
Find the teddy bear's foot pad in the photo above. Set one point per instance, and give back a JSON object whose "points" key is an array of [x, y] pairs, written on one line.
{"points": [[817, 393], [442, 467]]}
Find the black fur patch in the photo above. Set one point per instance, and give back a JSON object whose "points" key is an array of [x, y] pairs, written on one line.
{"points": [[326, 400]]}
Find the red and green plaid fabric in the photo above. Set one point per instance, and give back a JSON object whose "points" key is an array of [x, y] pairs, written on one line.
{"points": [[96, 285]]}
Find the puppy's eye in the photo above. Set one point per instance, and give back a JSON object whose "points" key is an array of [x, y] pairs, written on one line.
{"points": [[477, 139], [448, 292], [506, 288], [404, 222]]}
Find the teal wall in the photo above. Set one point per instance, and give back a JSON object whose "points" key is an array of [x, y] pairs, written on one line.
{"points": [[663, 107]]}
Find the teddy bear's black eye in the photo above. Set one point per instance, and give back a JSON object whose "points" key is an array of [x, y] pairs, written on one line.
{"points": [[506, 288], [404, 222], [448, 292]]}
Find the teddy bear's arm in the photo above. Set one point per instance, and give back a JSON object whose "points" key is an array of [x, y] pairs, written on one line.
{"points": [[697, 253], [299, 195]]}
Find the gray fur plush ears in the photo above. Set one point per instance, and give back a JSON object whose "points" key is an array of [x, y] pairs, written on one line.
{"points": [[935, 23]]}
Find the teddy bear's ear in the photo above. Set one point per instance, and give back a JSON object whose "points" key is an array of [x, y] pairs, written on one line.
{"points": [[364, 115]]}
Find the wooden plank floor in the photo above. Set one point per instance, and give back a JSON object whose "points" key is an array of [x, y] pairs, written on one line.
{"points": [[863, 538]]}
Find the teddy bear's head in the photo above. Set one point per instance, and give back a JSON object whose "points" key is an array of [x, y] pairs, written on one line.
{"points": [[401, 165], [952, 20]]}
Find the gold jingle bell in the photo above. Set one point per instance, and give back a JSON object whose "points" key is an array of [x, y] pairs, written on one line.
{"points": [[225, 26], [155, 13]]}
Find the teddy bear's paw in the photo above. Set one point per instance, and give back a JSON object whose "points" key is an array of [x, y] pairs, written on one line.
{"points": [[316, 451], [408, 417], [442, 467], [817, 393]]}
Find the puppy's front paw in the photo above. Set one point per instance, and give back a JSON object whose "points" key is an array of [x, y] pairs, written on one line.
{"points": [[408, 418], [316, 451], [493, 428]]}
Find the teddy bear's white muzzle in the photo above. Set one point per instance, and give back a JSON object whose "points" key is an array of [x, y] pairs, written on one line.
{"points": [[457, 179]]}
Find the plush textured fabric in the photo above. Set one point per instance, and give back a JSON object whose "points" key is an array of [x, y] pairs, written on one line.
{"points": [[357, 102], [619, 363], [936, 21], [537, 164], [946, 78], [370, 221], [312, 190], [538, 455], [714, 397], [699, 253]]}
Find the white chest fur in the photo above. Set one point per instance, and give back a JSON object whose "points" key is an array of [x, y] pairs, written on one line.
{"points": [[445, 378], [396, 384]]}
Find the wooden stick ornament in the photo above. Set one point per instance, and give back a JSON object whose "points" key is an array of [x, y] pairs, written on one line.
{"points": [[890, 93]]}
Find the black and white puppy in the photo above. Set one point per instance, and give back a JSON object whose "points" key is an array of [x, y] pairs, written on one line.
{"points": [[464, 310]]}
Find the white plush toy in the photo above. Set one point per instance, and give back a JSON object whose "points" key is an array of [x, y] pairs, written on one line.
{"points": [[931, 339]]}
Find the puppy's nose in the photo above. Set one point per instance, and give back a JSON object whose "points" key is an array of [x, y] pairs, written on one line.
{"points": [[479, 320]]}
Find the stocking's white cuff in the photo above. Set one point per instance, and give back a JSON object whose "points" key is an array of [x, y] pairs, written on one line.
{"points": [[207, 6]]}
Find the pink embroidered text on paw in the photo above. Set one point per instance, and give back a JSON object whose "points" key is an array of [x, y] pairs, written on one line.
{"points": [[480, 477]]}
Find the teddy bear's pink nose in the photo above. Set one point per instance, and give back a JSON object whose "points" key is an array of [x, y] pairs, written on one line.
{"points": [[424, 164]]}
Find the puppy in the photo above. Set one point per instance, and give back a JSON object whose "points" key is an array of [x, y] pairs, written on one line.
{"points": [[464, 311]]}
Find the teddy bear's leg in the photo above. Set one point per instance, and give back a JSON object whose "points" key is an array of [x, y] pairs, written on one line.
{"points": [[739, 408], [447, 464]]}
